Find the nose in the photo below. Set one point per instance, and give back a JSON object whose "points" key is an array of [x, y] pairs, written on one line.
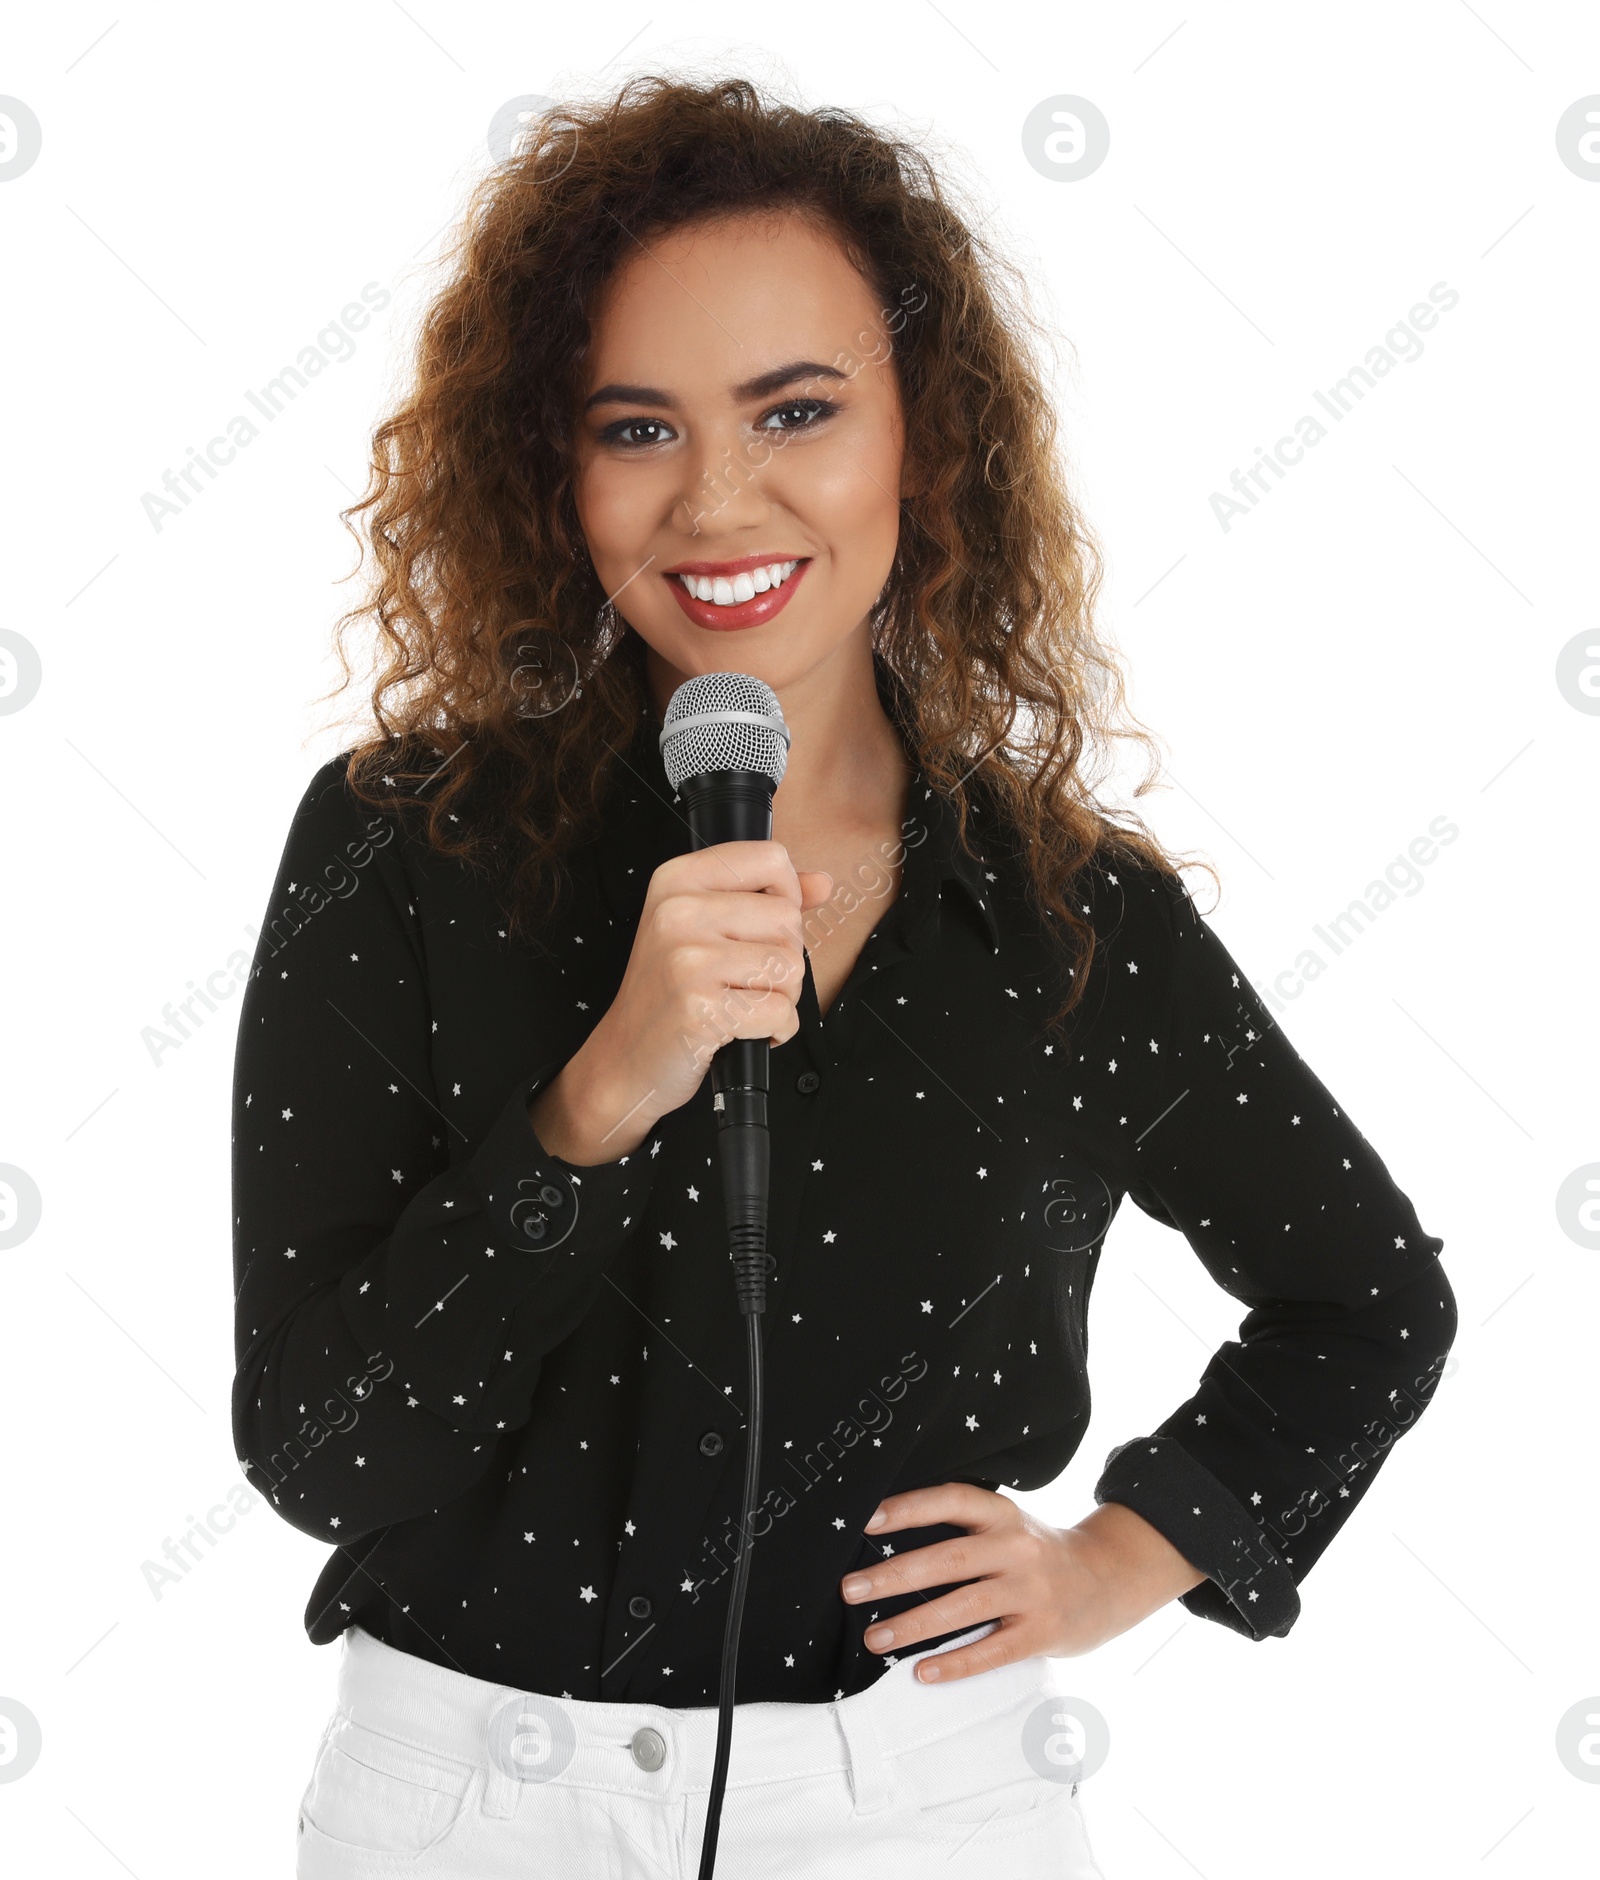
{"points": [[725, 490]]}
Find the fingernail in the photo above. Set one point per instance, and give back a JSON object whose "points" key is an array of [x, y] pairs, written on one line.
{"points": [[879, 1635], [877, 1519], [856, 1588], [927, 1672]]}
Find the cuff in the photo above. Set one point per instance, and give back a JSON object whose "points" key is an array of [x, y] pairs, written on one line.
{"points": [[533, 1200], [1248, 1588]]}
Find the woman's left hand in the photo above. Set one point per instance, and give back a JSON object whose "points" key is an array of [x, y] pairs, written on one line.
{"points": [[1059, 1591]]}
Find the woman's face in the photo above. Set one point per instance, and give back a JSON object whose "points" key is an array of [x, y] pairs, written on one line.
{"points": [[742, 413]]}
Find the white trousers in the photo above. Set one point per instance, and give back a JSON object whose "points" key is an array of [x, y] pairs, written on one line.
{"points": [[425, 1771]]}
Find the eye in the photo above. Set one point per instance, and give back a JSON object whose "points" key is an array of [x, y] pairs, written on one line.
{"points": [[816, 409], [613, 433]]}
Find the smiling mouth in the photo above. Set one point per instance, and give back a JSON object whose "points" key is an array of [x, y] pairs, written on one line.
{"points": [[734, 590]]}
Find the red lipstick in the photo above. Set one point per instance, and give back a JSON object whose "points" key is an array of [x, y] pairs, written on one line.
{"points": [[751, 613]]}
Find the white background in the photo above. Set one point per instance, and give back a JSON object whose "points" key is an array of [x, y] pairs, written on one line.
{"points": [[1372, 647]]}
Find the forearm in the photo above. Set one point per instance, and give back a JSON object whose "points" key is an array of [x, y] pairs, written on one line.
{"points": [[1257, 1471], [333, 1435]]}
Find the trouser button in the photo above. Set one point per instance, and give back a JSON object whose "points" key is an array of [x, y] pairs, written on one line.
{"points": [[649, 1748]]}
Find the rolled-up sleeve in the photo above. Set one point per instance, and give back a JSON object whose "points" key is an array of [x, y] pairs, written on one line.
{"points": [[1350, 1315]]}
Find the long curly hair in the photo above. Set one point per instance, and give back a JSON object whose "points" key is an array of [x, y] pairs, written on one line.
{"points": [[983, 635]]}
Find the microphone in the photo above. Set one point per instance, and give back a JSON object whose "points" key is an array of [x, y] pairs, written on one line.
{"points": [[725, 747]]}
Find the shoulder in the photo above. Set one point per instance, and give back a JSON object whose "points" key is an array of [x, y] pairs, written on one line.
{"points": [[345, 800], [1132, 899], [338, 837], [1152, 947], [327, 793]]}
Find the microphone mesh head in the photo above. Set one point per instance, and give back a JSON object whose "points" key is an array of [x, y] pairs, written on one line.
{"points": [[724, 721]]}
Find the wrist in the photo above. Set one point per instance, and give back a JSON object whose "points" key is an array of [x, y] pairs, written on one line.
{"points": [[576, 1117], [1139, 1566]]}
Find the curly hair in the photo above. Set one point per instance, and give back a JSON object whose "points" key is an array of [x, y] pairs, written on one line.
{"points": [[996, 680]]}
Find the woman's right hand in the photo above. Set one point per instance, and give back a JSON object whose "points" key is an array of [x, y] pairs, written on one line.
{"points": [[719, 953]]}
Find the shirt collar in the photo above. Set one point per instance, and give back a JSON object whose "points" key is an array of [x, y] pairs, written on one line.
{"points": [[644, 826]]}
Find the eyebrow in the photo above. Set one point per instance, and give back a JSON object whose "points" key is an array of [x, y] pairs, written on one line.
{"points": [[761, 386]]}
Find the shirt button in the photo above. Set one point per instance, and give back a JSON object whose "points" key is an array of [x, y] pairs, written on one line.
{"points": [[806, 1082], [649, 1748], [639, 1606], [711, 1444]]}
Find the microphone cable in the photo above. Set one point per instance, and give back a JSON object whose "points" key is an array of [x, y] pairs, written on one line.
{"points": [[747, 1248]]}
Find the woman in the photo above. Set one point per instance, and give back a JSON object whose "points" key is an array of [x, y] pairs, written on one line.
{"points": [[720, 384]]}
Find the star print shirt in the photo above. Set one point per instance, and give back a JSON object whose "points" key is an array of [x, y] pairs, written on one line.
{"points": [[509, 1393]]}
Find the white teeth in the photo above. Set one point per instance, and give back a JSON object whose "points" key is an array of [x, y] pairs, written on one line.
{"points": [[725, 592]]}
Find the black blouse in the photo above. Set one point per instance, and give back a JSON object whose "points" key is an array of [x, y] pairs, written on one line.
{"points": [[509, 1392]]}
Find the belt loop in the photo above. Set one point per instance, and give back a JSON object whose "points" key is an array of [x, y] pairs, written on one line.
{"points": [[869, 1779], [500, 1791]]}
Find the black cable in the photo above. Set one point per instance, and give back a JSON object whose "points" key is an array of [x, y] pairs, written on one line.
{"points": [[742, 1143], [730, 1637]]}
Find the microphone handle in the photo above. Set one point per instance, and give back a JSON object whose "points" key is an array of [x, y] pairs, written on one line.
{"points": [[736, 806]]}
